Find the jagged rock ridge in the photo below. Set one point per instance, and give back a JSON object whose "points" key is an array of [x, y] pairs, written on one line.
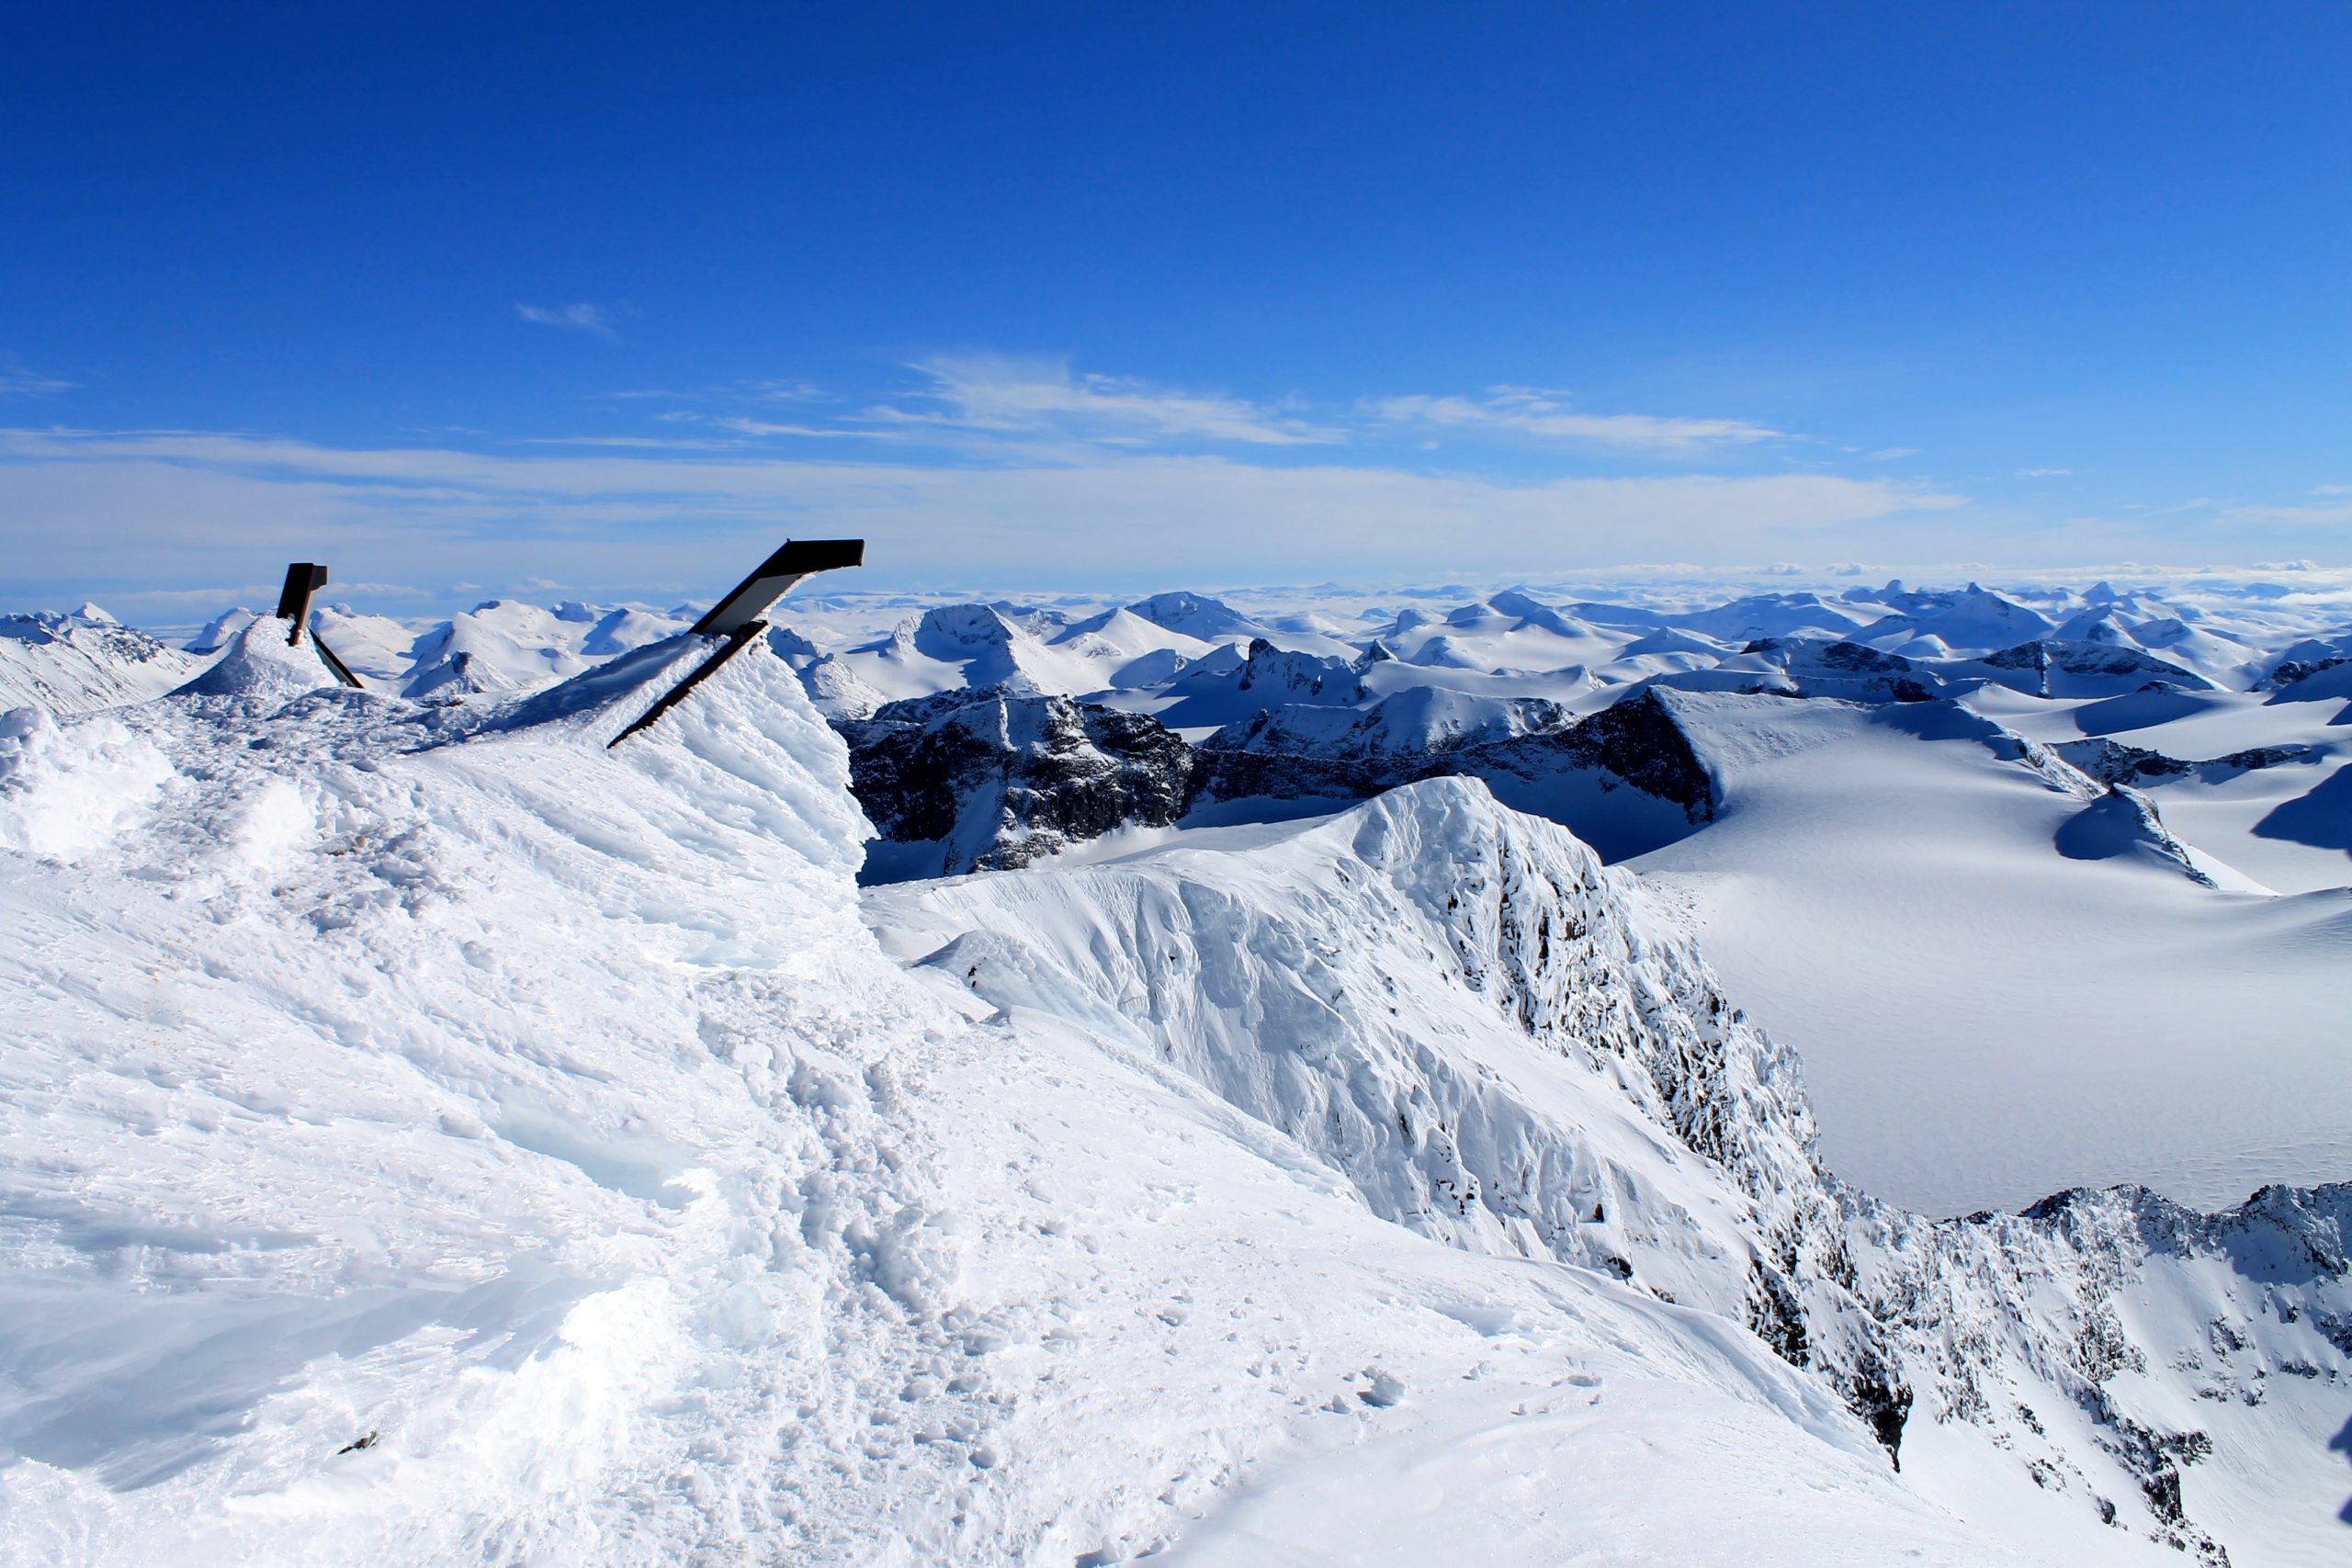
{"points": [[991, 780], [1305, 984]]}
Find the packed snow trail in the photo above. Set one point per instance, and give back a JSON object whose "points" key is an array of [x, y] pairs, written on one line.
{"points": [[426, 1136], [473, 1096]]}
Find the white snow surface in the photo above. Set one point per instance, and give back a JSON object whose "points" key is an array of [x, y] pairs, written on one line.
{"points": [[87, 659], [429, 1135], [1988, 1017], [1953, 942]]}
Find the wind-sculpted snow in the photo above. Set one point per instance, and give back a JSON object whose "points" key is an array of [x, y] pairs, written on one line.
{"points": [[2184, 1373], [1370, 988], [1497, 1041], [426, 1135], [513, 1119], [429, 1135]]}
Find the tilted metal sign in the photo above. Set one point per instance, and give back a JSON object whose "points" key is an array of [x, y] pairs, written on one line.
{"points": [[797, 560], [304, 579], [736, 617]]}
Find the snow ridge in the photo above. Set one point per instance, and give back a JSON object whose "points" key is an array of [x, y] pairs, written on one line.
{"points": [[517, 1118], [84, 660], [431, 1135], [1614, 1112]]}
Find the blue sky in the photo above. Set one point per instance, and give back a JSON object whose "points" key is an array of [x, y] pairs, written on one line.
{"points": [[485, 298]]}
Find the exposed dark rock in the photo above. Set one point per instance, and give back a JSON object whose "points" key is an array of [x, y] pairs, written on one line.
{"points": [[1886, 1406], [1640, 742], [1850, 656], [2113, 763], [1636, 742], [988, 780], [991, 780], [2290, 670], [2048, 656]]}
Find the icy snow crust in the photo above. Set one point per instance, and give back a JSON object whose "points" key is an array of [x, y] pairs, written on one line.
{"points": [[426, 1135]]}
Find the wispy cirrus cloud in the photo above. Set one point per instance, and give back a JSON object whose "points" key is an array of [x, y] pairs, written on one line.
{"points": [[18, 380], [601, 321], [183, 499], [1029, 406], [763, 391], [1543, 414], [1018, 405], [1044, 399], [745, 425], [2335, 512], [975, 468]]}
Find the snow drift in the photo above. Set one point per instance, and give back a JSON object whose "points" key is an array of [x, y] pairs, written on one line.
{"points": [[427, 1135]]}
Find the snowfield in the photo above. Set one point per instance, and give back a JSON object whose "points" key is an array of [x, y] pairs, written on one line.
{"points": [[1964, 943], [432, 1136]]}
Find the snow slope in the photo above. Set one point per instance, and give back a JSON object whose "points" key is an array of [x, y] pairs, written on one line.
{"points": [[428, 1136], [2037, 940], [2245, 775], [1989, 1017], [87, 659], [1499, 1044], [428, 1142]]}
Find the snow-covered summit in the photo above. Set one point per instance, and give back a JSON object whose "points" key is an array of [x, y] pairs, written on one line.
{"points": [[1502, 1044], [2229, 692], [87, 659], [1198, 617], [428, 1133]]}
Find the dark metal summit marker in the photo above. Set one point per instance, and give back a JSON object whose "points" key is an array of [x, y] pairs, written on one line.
{"points": [[737, 616], [304, 579], [796, 561]]}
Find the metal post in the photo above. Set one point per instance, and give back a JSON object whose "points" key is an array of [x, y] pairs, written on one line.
{"points": [[302, 579], [736, 617]]}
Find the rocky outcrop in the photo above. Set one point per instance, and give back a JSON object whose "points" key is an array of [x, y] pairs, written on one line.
{"points": [[2121, 824], [2040, 667], [2112, 762], [1640, 742], [1635, 742], [2290, 672], [1267, 678], [966, 781], [989, 779], [2105, 1343], [88, 659]]}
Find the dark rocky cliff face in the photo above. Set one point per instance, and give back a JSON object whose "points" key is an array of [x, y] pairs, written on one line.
{"points": [[991, 780], [1640, 742], [2039, 660], [988, 781], [1636, 742]]}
